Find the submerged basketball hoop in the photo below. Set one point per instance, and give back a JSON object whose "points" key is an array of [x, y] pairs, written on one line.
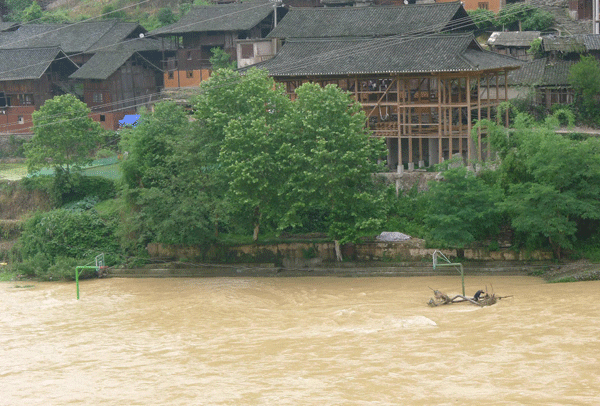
{"points": [[457, 265], [99, 265]]}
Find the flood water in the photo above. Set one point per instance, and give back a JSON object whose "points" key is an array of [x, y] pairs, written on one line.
{"points": [[298, 341]]}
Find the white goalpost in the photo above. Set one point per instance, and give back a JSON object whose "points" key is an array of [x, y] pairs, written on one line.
{"points": [[446, 262]]}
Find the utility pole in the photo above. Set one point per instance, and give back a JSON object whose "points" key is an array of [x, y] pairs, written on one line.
{"points": [[596, 16], [276, 3]]}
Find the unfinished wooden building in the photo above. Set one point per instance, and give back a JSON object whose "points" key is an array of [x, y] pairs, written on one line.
{"points": [[422, 91], [422, 95]]}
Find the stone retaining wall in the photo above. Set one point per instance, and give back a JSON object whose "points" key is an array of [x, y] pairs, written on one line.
{"points": [[311, 254]]}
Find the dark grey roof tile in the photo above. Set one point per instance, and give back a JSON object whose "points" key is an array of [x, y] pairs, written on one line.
{"points": [[371, 21], [436, 53], [513, 38], [72, 38], [540, 72], [221, 17], [30, 63]]}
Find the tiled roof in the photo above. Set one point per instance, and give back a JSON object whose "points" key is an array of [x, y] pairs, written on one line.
{"points": [[7, 25], [373, 21], [102, 65], [573, 43], [221, 17], [540, 72], [29, 63], [106, 62], [436, 53], [71, 38], [513, 38]]}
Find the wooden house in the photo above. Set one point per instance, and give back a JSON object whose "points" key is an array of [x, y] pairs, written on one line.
{"points": [[29, 77], [112, 57], [420, 90], [218, 26], [546, 80], [572, 46], [78, 40], [513, 43], [119, 79]]}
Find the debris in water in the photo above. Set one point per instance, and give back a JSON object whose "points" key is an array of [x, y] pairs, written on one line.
{"points": [[481, 298]]}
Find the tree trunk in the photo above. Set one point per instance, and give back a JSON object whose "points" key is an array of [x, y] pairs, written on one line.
{"points": [[257, 216], [338, 251]]}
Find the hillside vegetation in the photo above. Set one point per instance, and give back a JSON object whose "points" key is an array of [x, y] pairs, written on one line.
{"points": [[150, 14]]}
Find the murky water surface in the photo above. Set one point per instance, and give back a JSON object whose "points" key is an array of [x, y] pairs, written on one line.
{"points": [[298, 341]]}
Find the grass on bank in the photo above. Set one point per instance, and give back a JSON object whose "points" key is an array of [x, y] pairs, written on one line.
{"points": [[13, 171]]}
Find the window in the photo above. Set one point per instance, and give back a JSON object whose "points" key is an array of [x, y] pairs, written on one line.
{"points": [[102, 117], [25, 99], [483, 5], [189, 74], [20, 120], [189, 55], [97, 97], [247, 51], [171, 75]]}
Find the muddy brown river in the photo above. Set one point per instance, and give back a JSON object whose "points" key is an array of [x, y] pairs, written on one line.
{"points": [[298, 341]]}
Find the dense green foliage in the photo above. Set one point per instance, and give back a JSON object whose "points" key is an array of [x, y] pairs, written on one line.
{"points": [[513, 17], [53, 243], [584, 76], [330, 160], [551, 183], [462, 208], [221, 59], [287, 163], [64, 135], [164, 178]]}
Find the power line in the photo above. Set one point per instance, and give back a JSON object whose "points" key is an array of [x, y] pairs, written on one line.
{"points": [[375, 45]]}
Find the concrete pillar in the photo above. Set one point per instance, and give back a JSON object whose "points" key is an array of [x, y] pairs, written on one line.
{"points": [[433, 151]]}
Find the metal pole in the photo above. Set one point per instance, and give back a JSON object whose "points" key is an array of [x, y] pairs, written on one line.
{"points": [[596, 16], [77, 275], [77, 281]]}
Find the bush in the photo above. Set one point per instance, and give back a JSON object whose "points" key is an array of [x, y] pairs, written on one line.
{"points": [[68, 233], [64, 269], [64, 190], [38, 264]]}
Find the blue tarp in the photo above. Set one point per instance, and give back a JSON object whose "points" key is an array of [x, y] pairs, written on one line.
{"points": [[129, 119]]}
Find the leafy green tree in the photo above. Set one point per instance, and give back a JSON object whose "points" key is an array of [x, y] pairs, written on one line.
{"points": [[56, 17], [512, 15], [72, 233], [221, 59], [16, 9], [238, 116], [166, 16], [584, 76], [110, 11], [551, 183], [483, 19], [166, 179], [33, 12], [64, 137], [538, 20], [462, 208], [536, 49], [329, 159]]}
